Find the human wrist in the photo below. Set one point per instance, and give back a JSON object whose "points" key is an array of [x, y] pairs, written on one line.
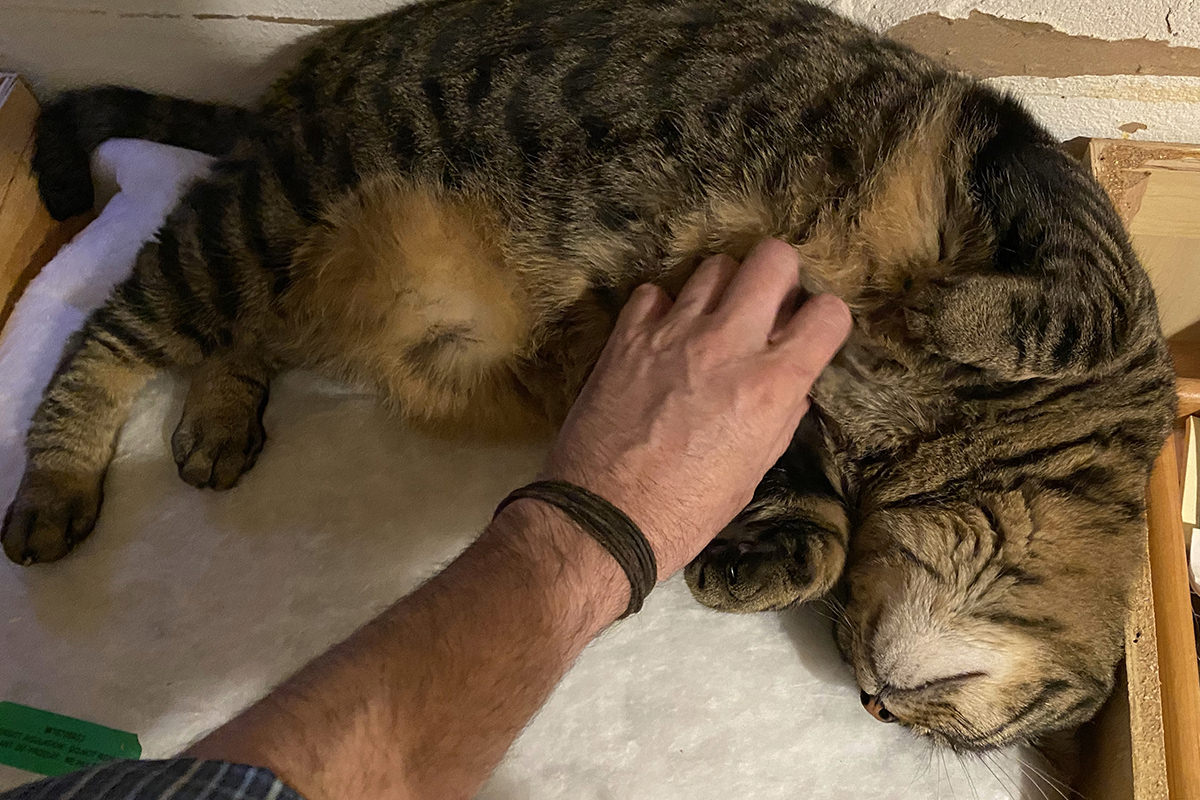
{"points": [[584, 583], [635, 496]]}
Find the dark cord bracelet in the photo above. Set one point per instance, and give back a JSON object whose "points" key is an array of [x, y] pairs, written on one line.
{"points": [[605, 523]]}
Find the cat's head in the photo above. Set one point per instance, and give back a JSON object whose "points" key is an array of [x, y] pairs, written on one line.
{"points": [[989, 623]]}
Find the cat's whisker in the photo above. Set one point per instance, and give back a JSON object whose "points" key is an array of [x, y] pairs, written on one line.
{"points": [[983, 759], [1051, 781], [949, 775], [837, 604], [967, 728], [1055, 780], [924, 773], [967, 773], [937, 775], [1006, 770], [825, 615], [1044, 777], [1032, 780]]}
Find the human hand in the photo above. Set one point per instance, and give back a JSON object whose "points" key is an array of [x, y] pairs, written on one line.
{"points": [[692, 401]]}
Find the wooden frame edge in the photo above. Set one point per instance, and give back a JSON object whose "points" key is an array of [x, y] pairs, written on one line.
{"points": [[29, 238]]}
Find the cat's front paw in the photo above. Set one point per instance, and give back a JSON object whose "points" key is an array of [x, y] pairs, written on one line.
{"points": [[52, 512], [776, 569], [969, 323]]}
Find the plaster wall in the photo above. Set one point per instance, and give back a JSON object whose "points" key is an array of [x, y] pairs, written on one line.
{"points": [[229, 49]]}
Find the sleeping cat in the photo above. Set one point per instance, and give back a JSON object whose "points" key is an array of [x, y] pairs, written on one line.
{"points": [[451, 202]]}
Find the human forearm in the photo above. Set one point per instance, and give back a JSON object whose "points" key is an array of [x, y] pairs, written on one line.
{"points": [[689, 405], [423, 701]]}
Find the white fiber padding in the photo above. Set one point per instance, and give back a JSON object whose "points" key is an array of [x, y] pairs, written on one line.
{"points": [[186, 605]]}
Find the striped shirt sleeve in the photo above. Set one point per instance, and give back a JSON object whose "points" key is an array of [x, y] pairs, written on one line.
{"points": [[174, 779]]}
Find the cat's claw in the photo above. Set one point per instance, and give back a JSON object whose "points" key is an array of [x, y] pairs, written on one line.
{"points": [[770, 572]]}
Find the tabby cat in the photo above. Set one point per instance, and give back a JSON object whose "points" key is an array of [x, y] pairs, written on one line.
{"points": [[451, 202]]}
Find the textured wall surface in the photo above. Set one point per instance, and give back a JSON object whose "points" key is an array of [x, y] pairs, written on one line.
{"points": [[1178, 22], [1082, 65]]}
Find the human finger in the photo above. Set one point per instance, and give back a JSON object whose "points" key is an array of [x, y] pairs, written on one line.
{"points": [[759, 289], [706, 286], [648, 303], [814, 334]]}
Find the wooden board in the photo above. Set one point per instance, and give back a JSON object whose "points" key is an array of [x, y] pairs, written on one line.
{"points": [[1180, 679], [1156, 188], [28, 236], [1123, 755], [1185, 349]]}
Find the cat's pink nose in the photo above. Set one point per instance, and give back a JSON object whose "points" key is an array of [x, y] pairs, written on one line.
{"points": [[875, 707]]}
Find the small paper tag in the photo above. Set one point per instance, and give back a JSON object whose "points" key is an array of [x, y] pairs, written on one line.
{"points": [[1191, 476], [51, 744], [1191, 502]]}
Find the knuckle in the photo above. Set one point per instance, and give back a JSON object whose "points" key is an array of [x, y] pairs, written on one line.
{"points": [[804, 374], [707, 344], [720, 261], [797, 372], [759, 387], [646, 291], [714, 332], [776, 252], [660, 339], [695, 357]]}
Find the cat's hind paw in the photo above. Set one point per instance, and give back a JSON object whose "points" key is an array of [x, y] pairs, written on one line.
{"points": [[214, 453], [52, 512]]}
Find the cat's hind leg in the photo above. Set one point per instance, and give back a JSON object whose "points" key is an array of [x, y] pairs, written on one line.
{"points": [[193, 294], [790, 543], [406, 288], [73, 432]]}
